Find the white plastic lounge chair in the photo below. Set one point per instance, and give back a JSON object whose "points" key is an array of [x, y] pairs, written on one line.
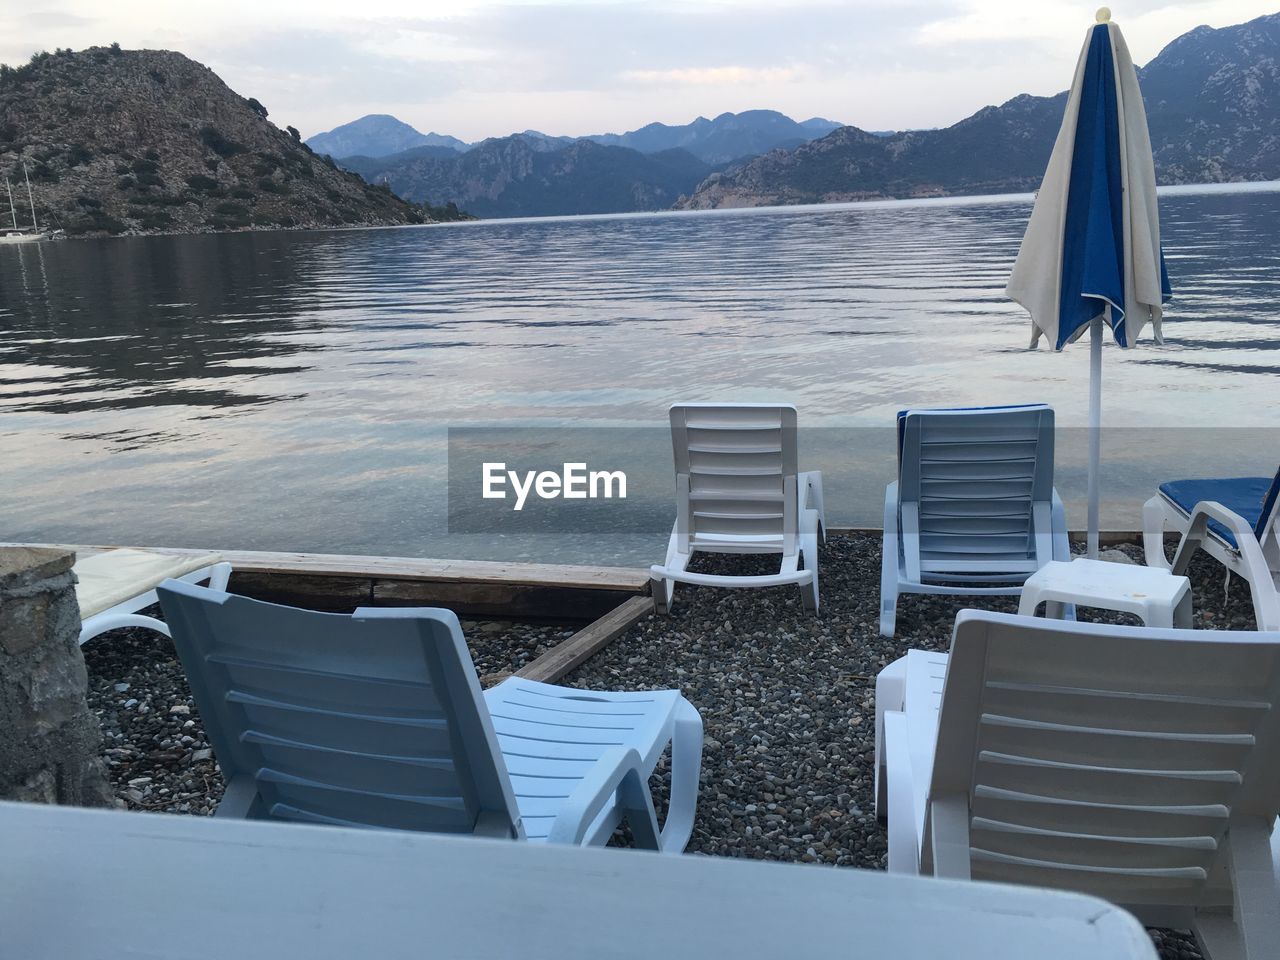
{"points": [[974, 511], [1137, 764], [1236, 521], [115, 584], [738, 491], [376, 719]]}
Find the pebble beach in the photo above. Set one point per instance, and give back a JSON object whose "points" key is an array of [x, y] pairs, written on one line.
{"points": [[787, 701]]}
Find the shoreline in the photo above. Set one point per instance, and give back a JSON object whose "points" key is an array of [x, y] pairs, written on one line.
{"points": [[1168, 189]]}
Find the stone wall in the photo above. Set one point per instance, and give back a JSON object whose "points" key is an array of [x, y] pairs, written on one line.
{"points": [[49, 740]]}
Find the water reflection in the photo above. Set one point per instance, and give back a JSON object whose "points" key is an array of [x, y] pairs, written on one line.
{"points": [[190, 321], [229, 391]]}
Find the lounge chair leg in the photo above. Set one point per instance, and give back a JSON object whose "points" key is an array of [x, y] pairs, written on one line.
{"points": [[812, 480], [809, 596], [101, 624], [809, 558], [686, 768], [889, 612], [891, 695], [663, 591], [240, 800], [1250, 929], [1153, 534], [889, 563], [636, 805], [904, 841]]}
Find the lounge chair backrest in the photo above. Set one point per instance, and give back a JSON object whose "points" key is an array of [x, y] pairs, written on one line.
{"points": [[372, 719], [1269, 519], [1108, 759], [735, 473], [975, 490]]}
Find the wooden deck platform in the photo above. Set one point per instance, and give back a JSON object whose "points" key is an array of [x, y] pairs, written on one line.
{"points": [[341, 582]]}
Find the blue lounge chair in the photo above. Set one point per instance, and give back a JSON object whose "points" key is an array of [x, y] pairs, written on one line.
{"points": [[1235, 520], [377, 720], [973, 511]]}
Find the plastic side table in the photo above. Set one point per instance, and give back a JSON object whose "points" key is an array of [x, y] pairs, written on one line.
{"points": [[1157, 597]]}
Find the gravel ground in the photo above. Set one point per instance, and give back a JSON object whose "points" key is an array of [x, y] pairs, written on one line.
{"points": [[786, 699]]}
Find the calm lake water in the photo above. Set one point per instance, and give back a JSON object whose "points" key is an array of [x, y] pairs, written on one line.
{"points": [[294, 390]]}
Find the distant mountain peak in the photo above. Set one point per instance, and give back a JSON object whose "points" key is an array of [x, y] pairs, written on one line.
{"points": [[377, 135], [728, 137], [1213, 107]]}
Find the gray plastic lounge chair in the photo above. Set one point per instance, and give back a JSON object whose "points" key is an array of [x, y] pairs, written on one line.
{"points": [[974, 511], [376, 719]]}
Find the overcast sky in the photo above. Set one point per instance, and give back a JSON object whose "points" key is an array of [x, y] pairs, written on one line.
{"points": [[475, 68]]}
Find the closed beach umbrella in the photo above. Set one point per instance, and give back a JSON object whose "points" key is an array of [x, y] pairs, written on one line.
{"points": [[1091, 254]]}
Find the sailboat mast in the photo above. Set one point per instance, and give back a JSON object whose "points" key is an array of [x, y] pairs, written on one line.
{"points": [[30, 199], [12, 209]]}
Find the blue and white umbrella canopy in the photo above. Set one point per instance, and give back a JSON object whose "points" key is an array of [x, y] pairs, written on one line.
{"points": [[1091, 254]]}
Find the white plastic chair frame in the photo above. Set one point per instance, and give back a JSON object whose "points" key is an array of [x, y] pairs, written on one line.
{"points": [[738, 491], [125, 614], [1135, 764], [1255, 560]]}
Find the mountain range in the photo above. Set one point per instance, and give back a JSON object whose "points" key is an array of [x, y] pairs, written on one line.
{"points": [[527, 176], [730, 136], [534, 174], [1213, 107], [145, 141]]}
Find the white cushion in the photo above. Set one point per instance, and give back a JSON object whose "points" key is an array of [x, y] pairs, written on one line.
{"points": [[114, 576]]}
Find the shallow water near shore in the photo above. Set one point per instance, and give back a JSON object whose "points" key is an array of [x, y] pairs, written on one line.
{"points": [[294, 391]]}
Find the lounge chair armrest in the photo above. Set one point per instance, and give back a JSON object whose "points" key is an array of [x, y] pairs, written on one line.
{"points": [[1253, 561], [616, 772], [1198, 528], [1213, 510], [717, 580]]}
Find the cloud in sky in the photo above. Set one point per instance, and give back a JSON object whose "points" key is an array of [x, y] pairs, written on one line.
{"points": [[477, 68]]}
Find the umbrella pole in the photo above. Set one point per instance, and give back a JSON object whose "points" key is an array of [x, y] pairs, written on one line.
{"points": [[1095, 428]]}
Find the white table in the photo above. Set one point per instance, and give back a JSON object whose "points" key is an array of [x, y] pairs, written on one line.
{"points": [[76, 884], [1157, 597]]}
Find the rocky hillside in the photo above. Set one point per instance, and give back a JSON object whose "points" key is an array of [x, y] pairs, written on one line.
{"points": [[1213, 105], [526, 176], [150, 141]]}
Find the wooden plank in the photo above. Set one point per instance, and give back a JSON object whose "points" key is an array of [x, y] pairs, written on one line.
{"points": [[506, 601], [564, 657], [332, 594], [411, 568], [80, 884]]}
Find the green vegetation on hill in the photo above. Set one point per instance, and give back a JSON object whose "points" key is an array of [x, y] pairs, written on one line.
{"points": [[139, 141]]}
